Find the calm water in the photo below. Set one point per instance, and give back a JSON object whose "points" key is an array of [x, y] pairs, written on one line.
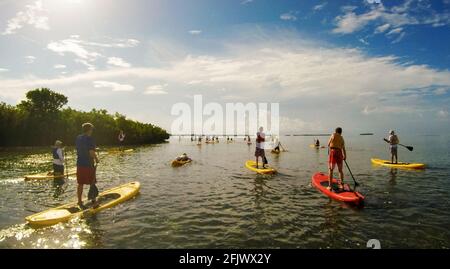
{"points": [[215, 202]]}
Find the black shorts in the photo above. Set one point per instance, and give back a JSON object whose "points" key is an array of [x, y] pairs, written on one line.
{"points": [[58, 169]]}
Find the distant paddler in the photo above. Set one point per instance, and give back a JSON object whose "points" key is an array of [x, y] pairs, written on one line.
{"points": [[393, 141], [259, 151], [87, 161], [58, 160], [317, 142], [121, 138], [183, 158]]}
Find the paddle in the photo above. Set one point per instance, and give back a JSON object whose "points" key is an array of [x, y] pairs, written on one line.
{"points": [[65, 163], [408, 147], [283, 147], [354, 180]]}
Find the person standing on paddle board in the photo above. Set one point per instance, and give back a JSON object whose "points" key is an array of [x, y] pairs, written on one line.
{"points": [[121, 137], [87, 160], [317, 142], [393, 145], [259, 152], [58, 159], [337, 155]]}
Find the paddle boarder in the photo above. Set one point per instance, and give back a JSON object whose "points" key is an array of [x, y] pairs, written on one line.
{"points": [[58, 162], [337, 155], [259, 151], [121, 137], [317, 142], [87, 161], [393, 141], [183, 158]]}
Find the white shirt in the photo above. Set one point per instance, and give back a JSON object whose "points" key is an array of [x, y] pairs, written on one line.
{"points": [[262, 135], [59, 161]]}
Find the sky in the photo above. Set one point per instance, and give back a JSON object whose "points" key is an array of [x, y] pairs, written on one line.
{"points": [[365, 65]]}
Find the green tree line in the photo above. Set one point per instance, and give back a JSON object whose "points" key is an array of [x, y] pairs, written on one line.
{"points": [[41, 119]]}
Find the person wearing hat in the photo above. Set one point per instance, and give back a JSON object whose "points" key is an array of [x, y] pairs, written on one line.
{"points": [[393, 145], [58, 159], [183, 157], [87, 161]]}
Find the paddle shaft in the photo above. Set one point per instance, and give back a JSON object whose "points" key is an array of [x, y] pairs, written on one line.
{"points": [[407, 147], [354, 180], [65, 162]]}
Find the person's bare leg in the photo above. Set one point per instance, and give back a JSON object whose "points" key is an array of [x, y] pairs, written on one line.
{"points": [[330, 177], [256, 162], [392, 157], [341, 176], [80, 193], [396, 158]]}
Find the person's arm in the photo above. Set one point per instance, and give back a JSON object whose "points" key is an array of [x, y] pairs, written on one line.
{"points": [[60, 155], [329, 140], [92, 152], [93, 155], [344, 151]]}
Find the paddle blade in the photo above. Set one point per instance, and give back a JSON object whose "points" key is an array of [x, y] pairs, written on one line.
{"points": [[410, 148]]}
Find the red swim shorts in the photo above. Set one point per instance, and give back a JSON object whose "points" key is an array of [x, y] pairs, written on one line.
{"points": [[86, 175], [335, 157]]}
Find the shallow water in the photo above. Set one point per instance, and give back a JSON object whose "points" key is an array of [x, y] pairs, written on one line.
{"points": [[215, 202]]}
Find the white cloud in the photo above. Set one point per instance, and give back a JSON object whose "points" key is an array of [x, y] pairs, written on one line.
{"points": [[287, 69], [365, 42], [192, 82], [384, 18], [244, 2], [382, 28], [86, 53], [59, 66], [395, 31], [73, 46], [350, 22], [115, 87], [441, 91], [399, 38], [442, 113], [29, 59], [156, 89], [119, 43], [34, 15], [89, 66], [288, 16], [195, 32], [319, 6], [368, 110], [3, 70], [116, 61]]}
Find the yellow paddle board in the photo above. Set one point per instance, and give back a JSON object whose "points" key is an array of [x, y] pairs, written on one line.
{"points": [[106, 199], [252, 166], [398, 165], [180, 163], [49, 175]]}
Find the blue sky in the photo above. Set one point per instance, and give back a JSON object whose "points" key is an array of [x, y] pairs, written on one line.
{"points": [[367, 65]]}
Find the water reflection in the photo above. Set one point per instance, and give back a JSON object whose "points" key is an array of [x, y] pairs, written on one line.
{"points": [[393, 176], [216, 201], [59, 187]]}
